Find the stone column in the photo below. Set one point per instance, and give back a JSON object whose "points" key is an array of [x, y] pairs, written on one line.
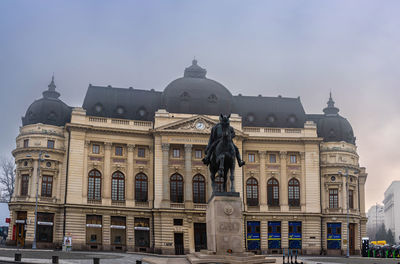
{"points": [[165, 172], [106, 176], [130, 178], [85, 172], [33, 179], [263, 182], [303, 181], [283, 196], [344, 194], [188, 176]]}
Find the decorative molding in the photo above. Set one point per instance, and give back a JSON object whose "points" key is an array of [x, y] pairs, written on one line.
{"points": [[188, 147], [283, 154], [131, 147], [165, 146], [107, 145]]}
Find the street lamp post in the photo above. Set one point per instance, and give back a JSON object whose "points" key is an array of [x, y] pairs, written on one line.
{"points": [[41, 153]]}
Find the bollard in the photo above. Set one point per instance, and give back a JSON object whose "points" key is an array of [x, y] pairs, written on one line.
{"points": [[283, 256], [17, 257], [138, 262], [295, 257], [291, 256], [54, 259], [96, 260]]}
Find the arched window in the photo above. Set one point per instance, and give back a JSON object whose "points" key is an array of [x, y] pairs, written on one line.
{"points": [[176, 183], [199, 189], [94, 185], [118, 186], [273, 192], [219, 184], [141, 187], [252, 192], [294, 192]]}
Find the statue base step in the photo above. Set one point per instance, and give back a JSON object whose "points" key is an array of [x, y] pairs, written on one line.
{"points": [[205, 256]]}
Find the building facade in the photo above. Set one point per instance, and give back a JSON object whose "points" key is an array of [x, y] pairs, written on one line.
{"points": [[376, 218], [124, 171], [392, 209]]}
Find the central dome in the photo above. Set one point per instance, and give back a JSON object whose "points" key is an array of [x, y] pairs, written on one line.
{"points": [[194, 93]]}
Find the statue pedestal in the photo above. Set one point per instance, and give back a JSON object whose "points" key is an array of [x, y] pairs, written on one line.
{"points": [[225, 223], [225, 236]]}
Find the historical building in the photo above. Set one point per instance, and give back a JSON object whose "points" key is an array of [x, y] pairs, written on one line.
{"points": [[124, 171], [376, 218]]}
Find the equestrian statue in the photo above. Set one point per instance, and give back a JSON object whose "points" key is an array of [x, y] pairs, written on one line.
{"points": [[221, 153]]}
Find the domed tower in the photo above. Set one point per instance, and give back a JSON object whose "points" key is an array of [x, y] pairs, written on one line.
{"points": [[48, 110], [39, 157], [194, 93], [342, 183]]}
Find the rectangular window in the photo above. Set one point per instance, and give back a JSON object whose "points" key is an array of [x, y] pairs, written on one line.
{"points": [[333, 198], [141, 152], [50, 144], [272, 158], [198, 154], [118, 230], [94, 229], [47, 186], [351, 199], [118, 151], [293, 159], [24, 184], [26, 143], [274, 234], [334, 235], [252, 157], [176, 153], [95, 149], [45, 227], [142, 232], [178, 222]]}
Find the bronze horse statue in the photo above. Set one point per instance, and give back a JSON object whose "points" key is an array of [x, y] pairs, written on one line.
{"points": [[223, 158]]}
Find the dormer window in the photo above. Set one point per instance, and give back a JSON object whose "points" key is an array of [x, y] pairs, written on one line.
{"points": [[271, 119], [98, 108], [142, 112], [292, 119], [250, 118], [212, 98], [120, 110]]}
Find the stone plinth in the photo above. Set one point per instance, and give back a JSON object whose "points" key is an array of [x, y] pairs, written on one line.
{"points": [[225, 223]]}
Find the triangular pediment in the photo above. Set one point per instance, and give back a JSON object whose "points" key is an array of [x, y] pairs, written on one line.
{"points": [[197, 124]]}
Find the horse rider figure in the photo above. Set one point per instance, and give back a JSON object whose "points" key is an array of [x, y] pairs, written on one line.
{"points": [[216, 136]]}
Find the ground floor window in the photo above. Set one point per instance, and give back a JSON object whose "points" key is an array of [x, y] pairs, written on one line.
{"points": [[253, 235], [94, 229], [295, 235], [274, 234], [118, 230], [45, 227], [142, 232], [334, 235], [200, 236]]}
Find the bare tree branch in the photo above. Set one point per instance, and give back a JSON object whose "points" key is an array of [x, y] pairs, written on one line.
{"points": [[7, 178]]}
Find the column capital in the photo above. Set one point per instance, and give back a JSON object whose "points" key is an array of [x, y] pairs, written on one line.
{"points": [[131, 147], [283, 154], [188, 147], [165, 146], [107, 145], [302, 155], [87, 143], [262, 153]]}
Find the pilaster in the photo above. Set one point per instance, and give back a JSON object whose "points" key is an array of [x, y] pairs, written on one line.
{"points": [[188, 176], [106, 176], [85, 172], [130, 178], [165, 173], [263, 182], [284, 182]]}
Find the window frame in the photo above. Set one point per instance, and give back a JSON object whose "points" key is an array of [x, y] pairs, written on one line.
{"points": [[270, 158], [196, 152], [176, 153], [176, 188], [272, 192], [94, 194], [199, 189], [116, 152], [294, 192], [95, 149], [141, 152], [51, 144], [26, 143], [351, 199], [253, 157], [293, 158], [252, 194], [333, 198], [47, 186], [141, 187], [119, 178], [24, 185]]}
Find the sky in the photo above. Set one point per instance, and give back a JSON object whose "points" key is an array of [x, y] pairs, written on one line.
{"points": [[288, 48]]}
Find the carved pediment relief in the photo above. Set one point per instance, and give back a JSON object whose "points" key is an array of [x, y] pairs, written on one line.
{"points": [[197, 124]]}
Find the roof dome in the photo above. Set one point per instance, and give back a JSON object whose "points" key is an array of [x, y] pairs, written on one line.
{"points": [[333, 127], [194, 93], [48, 110]]}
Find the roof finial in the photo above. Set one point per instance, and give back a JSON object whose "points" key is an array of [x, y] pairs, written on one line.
{"points": [[194, 61], [52, 85], [331, 109]]}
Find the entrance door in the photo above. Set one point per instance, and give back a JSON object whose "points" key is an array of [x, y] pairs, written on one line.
{"points": [[20, 231], [352, 238], [178, 241], [200, 236]]}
